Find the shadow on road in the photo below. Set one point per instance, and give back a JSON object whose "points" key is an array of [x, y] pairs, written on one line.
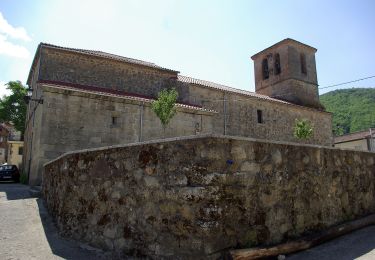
{"points": [[13, 191], [28, 232], [65, 248]]}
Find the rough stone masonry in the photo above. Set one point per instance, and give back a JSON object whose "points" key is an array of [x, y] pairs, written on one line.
{"points": [[195, 197], [93, 99]]}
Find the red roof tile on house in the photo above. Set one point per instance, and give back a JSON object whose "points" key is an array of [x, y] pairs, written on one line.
{"points": [[354, 136]]}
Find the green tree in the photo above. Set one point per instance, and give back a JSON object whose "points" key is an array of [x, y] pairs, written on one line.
{"points": [[13, 107], [164, 106], [303, 129], [353, 109]]}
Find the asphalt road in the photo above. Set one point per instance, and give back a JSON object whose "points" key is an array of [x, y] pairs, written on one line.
{"points": [[359, 244], [27, 231]]}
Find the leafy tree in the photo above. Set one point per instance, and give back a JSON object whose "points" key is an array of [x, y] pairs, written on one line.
{"points": [[303, 129], [164, 106], [353, 109], [13, 107]]}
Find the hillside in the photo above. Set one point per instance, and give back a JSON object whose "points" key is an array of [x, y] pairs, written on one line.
{"points": [[353, 109]]}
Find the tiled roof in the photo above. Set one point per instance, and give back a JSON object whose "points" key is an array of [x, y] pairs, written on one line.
{"points": [[354, 136], [114, 93], [285, 41], [226, 88]]}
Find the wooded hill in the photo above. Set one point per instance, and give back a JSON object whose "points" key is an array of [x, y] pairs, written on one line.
{"points": [[353, 109]]}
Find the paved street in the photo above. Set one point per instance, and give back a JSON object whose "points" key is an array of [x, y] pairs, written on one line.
{"points": [[359, 244], [27, 232]]}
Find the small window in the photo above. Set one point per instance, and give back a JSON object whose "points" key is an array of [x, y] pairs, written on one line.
{"points": [[260, 116], [20, 150], [114, 121], [277, 64], [266, 73], [303, 63]]}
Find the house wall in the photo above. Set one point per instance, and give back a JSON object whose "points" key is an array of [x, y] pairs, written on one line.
{"points": [[197, 197], [356, 144], [4, 135], [74, 120], [15, 157], [279, 119], [63, 123], [33, 128], [63, 66]]}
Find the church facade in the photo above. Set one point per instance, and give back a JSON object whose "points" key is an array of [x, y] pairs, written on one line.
{"points": [[91, 99]]}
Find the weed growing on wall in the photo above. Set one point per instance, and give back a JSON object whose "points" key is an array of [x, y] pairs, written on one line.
{"points": [[303, 129]]}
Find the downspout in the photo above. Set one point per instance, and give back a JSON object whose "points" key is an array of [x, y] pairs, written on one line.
{"points": [[141, 108], [225, 112]]}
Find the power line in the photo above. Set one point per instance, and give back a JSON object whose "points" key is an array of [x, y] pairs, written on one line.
{"points": [[331, 86]]}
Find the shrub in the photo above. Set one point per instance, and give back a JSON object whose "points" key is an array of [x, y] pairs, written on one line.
{"points": [[303, 129]]}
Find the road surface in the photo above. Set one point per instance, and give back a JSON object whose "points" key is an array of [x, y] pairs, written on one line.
{"points": [[27, 231]]}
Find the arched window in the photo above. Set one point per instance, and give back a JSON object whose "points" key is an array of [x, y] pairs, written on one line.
{"points": [[266, 73], [277, 64], [303, 63]]}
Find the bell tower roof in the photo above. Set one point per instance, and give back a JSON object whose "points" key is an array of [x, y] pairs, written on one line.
{"points": [[287, 41]]}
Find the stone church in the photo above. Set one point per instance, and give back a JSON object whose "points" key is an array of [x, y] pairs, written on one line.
{"points": [[85, 99]]}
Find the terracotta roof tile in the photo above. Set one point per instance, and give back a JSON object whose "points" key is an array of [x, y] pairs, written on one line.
{"points": [[354, 136]]}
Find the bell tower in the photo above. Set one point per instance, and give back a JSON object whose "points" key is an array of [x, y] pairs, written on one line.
{"points": [[287, 71]]}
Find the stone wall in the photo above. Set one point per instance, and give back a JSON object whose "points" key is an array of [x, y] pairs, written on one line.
{"points": [[64, 66], [74, 120], [278, 118], [191, 197], [33, 129], [290, 83], [65, 123]]}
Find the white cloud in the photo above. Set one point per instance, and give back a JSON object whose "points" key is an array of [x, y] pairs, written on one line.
{"points": [[3, 90], [13, 32], [18, 33], [13, 50]]}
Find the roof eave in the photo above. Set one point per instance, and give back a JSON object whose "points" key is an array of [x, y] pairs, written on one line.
{"points": [[282, 42], [33, 64]]}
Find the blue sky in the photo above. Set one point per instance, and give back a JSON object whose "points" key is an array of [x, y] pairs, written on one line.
{"points": [[210, 40]]}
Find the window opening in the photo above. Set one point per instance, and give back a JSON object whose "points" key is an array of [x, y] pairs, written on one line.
{"points": [[277, 64], [266, 72], [260, 116], [114, 120], [303, 63]]}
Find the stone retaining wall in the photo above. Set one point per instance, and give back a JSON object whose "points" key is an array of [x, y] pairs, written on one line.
{"points": [[198, 196]]}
